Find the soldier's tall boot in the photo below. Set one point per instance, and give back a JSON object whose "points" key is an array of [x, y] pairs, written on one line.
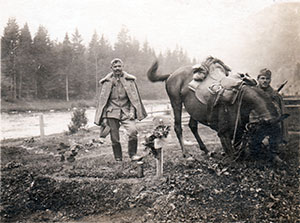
{"points": [[117, 149], [132, 147]]}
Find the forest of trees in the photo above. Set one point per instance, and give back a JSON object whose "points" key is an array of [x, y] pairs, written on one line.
{"points": [[40, 68]]}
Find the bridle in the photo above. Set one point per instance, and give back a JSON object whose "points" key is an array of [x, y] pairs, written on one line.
{"points": [[250, 127]]}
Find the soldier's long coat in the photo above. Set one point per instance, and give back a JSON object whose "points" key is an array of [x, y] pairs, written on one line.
{"points": [[131, 89], [279, 104]]}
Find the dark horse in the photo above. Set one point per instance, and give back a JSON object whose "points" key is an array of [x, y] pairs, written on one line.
{"points": [[180, 94]]}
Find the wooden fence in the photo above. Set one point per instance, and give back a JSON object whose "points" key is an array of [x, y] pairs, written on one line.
{"points": [[292, 105]]}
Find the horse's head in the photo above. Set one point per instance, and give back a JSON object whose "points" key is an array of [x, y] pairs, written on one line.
{"points": [[216, 68], [252, 108], [259, 106]]}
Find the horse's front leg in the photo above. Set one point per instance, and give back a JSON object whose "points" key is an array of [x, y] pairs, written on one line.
{"points": [[193, 124], [227, 145]]}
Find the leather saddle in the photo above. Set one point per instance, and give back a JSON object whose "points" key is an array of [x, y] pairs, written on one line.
{"points": [[217, 96], [225, 89]]}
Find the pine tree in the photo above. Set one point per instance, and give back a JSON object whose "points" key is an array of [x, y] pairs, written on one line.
{"points": [[99, 57], [43, 61], [66, 62], [25, 63], [78, 78], [105, 56], [122, 46], [9, 51], [105, 48], [93, 58]]}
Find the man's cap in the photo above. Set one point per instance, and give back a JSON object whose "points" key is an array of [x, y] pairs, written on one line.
{"points": [[264, 72], [116, 60]]}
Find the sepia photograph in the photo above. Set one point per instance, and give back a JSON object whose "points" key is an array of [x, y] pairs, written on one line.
{"points": [[132, 111]]}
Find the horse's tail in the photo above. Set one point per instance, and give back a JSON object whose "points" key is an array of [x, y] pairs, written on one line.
{"points": [[152, 73]]}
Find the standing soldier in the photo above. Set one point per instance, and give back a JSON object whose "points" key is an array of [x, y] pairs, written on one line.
{"points": [[119, 103]]}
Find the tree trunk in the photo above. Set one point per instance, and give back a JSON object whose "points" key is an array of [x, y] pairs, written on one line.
{"points": [[20, 85], [36, 81], [67, 87], [96, 74], [12, 87], [36, 87], [15, 85]]}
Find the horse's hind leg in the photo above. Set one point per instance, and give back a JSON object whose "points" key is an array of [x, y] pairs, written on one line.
{"points": [[177, 109], [193, 124]]}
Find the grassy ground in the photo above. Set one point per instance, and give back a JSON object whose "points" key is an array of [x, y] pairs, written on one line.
{"points": [[38, 186]]}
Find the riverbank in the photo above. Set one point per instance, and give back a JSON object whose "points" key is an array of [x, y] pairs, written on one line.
{"points": [[56, 118], [19, 106]]}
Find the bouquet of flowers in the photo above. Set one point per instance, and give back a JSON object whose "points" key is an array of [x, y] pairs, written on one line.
{"points": [[160, 132]]}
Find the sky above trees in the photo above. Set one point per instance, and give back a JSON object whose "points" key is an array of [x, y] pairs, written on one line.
{"points": [[200, 27], [246, 34]]}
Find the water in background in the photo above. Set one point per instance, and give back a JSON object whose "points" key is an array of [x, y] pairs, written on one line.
{"points": [[22, 125]]}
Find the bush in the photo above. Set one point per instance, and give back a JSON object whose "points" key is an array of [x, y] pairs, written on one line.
{"points": [[78, 121]]}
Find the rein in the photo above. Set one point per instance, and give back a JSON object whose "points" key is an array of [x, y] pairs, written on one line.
{"points": [[238, 115], [240, 97], [249, 128]]}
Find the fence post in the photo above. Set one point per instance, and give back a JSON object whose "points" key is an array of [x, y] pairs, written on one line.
{"points": [[42, 132]]}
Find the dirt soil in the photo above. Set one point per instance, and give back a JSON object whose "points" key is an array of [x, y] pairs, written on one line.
{"points": [[39, 185]]}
